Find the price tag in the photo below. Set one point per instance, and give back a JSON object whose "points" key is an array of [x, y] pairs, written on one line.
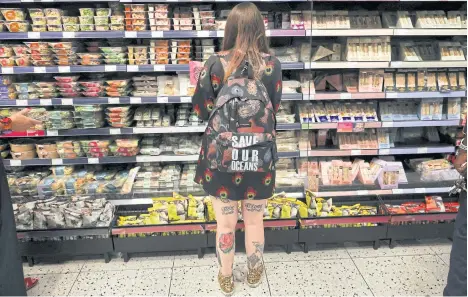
{"points": [[159, 68], [396, 64], [130, 34], [21, 102], [219, 33], [39, 70], [126, 1], [398, 191], [422, 150], [355, 152], [52, 132], [141, 159], [57, 161], [135, 100], [27, 1], [363, 192], [34, 35], [47, 0], [384, 152], [186, 99], [268, 32], [391, 95], [420, 190], [68, 34], [64, 69], [15, 162], [110, 68], [114, 131], [93, 160], [7, 70], [67, 101], [163, 100], [345, 127], [157, 34], [45, 102], [113, 100], [345, 96], [132, 68], [203, 33], [387, 124]]}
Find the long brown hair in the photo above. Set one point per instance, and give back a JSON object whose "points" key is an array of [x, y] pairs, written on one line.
{"points": [[244, 36]]}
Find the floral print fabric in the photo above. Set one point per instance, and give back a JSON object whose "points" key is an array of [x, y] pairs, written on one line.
{"points": [[224, 185]]}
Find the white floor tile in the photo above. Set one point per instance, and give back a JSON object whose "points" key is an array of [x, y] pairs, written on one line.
{"points": [[440, 246], [134, 263], [404, 275], [203, 281], [53, 284], [403, 248], [126, 282], [445, 258], [322, 252], [53, 267], [209, 259], [321, 277]]}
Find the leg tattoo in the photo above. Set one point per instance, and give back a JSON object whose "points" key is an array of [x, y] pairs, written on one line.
{"points": [[226, 242], [253, 207], [256, 257], [227, 210]]}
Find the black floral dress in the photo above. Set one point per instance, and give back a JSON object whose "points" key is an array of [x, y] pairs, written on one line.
{"points": [[241, 185]]}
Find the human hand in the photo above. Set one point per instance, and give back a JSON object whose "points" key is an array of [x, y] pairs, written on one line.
{"points": [[20, 121]]}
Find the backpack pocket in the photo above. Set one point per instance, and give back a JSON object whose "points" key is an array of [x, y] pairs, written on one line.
{"points": [[243, 152]]}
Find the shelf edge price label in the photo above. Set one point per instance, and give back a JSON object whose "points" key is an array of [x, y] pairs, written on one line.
{"points": [[363, 192], [384, 152], [45, 101], [131, 34], [219, 33], [132, 68], [422, 150], [159, 68], [93, 160], [114, 131], [391, 95], [21, 102], [387, 124], [34, 35], [396, 64], [345, 96], [186, 99], [163, 100], [64, 69], [40, 70], [157, 34], [67, 101], [135, 100], [398, 191], [141, 159], [110, 68], [420, 190], [68, 34], [52, 132], [345, 127], [15, 162], [57, 161], [113, 100], [7, 70], [355, 152]]}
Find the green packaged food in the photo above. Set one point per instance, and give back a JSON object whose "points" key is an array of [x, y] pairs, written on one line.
{"points": [[87, 12]]}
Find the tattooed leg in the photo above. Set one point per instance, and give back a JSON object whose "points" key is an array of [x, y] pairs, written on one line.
{"points": [[226, 219], [254, 234]]}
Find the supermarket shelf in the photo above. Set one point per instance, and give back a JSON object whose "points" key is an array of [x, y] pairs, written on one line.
{"points": [[420, 123], [430, 32], [348, 65], [344, 95], [63, 69], [117, 160], [62, 232], [334, 152], [421, 190], [349, 32], [395, 95], [427, 64], [352, 193], [60, 35]]}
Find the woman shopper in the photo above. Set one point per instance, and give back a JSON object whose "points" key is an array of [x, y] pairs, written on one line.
{"points": [[12, 282], [239, 92]]}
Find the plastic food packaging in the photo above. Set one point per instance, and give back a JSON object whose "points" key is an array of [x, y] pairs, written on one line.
{"points": [[13, 14]]}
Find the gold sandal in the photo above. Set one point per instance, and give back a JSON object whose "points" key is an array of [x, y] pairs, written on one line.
{"points": [[226, 284], [254, 276]]}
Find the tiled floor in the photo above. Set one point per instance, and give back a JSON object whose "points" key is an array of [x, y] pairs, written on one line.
{"points": [[411, 268]]}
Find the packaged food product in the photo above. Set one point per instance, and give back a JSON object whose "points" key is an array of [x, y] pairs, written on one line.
{"points": [[54, 28], [25, 155], [39, 28], [39, 20], [36, 13], [7, 62], [86, 12], [54, 21], [13, 14], [101, 20], [17, 26], [59, 45], [103, 12]]}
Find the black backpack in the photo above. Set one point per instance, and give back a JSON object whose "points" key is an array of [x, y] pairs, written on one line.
{"points": [[242, 127]]}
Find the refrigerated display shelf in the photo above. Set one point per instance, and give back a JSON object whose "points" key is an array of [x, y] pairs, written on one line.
{"points": [[429, 149], [387, 32], [188, 99]]}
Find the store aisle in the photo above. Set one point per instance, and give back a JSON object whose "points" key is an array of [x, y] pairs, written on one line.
{"points": [[411, 268]]}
